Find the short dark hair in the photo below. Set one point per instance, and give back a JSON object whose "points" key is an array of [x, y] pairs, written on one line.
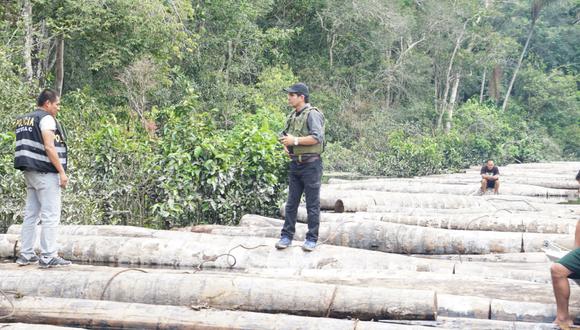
{"points": [[578, 176], [47, 94], [306, 97]]}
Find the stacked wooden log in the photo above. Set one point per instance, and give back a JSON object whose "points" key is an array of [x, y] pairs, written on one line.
{"points": [[410, 253]]}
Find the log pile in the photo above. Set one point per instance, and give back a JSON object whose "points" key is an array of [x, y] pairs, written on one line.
{"points": [[418, 253]]}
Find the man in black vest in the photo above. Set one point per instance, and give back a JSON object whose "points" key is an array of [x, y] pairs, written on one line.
{"points": [[303, 139], [41, 153]]}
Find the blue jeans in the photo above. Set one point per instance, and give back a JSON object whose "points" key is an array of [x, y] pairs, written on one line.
{"points": [[303, 177]]}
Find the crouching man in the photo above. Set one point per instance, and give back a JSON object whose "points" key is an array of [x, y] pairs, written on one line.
{"points": [[489, 177]]}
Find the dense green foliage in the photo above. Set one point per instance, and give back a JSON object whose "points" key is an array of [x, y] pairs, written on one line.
{"points": [[173, 107]]}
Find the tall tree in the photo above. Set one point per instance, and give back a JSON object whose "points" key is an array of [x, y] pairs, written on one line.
{"points": [[536, 7], [59, 76], [27, 50]]}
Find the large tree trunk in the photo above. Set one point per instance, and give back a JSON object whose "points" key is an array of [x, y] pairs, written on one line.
{"points": [[421, 186], [558, 178], [400, 238], [532, 223], [363, 203], [448, 78], [43, 49], [227, 292], [512, 81], [495, 281], [459, 296], [479, 324], [451, 106], [565, 212], [28, 326], [59, 76], [527, 257], [361, 200], [121, 315], [196, 250], [27, 50], [537, 273], [482, 88], [495, 83]]}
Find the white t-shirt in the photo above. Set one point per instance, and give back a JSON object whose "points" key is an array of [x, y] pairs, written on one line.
{"points": [[47, 123]]}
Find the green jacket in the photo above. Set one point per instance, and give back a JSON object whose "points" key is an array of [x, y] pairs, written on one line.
{"points": [[297, 125]]}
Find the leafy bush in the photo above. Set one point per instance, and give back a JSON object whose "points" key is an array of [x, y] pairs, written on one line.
{"points": [[204, 174]]}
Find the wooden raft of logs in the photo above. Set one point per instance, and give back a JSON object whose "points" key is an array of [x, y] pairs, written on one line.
{"points": [[417, 253]]}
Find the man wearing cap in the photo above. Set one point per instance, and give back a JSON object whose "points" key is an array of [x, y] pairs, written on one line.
{"points": [[303, 140]]}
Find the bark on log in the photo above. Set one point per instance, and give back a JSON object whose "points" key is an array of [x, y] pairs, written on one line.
{"points": [[393, 238], [219, 252], [302, 217], [28, 326], [566, 243], [542, 179], [253, 220], [119, 315], [227, 292], [528, 311], [417, 186], [536, 241], [553, 183], [530, 222], [533, 257], [360, 200], [475, 324], [490, 283], [497, 309], [458, 285], [537, 274], [363, 202], [463, 306], [503, 223], [477, 285], [448, 304], [560, 211]]}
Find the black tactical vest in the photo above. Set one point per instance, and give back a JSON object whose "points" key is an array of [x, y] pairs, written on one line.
{"points": [[30, 154]]}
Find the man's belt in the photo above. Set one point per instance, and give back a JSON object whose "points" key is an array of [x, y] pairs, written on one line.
{"points": [[307, 158]]}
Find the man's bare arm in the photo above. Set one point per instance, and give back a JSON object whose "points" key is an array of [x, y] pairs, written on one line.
{"points": [[288, 140], [48, 137]]}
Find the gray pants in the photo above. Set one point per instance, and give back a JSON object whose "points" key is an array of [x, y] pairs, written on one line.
{"points": [[43, 203]]}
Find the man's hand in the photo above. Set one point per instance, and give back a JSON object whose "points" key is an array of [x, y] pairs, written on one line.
{"points": [[287, 140], [287, 152], [63, 180]]}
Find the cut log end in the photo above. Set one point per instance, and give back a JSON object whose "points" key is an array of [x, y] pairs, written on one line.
{"points": [[339, 206]]}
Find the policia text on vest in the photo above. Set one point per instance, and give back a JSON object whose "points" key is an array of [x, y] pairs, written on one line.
{"points": [[30, 152]]}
